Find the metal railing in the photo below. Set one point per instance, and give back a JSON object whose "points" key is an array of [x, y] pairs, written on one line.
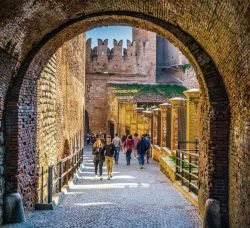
{"points": [[187, 164], [53, 178]]}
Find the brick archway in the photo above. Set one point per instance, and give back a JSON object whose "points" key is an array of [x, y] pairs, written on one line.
{"points": [[209, 78], [20, 110]]}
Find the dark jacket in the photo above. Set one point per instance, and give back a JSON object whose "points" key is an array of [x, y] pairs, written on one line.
{"points": [[109, 150], [98, 154], [142, 146]]}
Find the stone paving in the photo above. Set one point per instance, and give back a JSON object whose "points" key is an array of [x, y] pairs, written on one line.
{"points": [[132, 198]]}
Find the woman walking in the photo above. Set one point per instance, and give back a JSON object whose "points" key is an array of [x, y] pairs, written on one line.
{"points": [[98, 156], [109, 149], [129, 143], [136, 140]]}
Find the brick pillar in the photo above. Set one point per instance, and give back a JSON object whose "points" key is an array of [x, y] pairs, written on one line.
{"points": [[148, 123], [126, 116], [155, 124], [193, 115], [175, 102], [121, 118], [134, 121], [140, 122], [163, 108]]}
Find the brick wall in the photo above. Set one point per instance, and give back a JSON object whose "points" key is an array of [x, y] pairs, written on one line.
{"points": [[60, 105], [97, 96], [7, 66], [172, 66]]}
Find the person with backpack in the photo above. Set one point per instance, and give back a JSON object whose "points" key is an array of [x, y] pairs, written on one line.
{"points": [[98, 159], [142, 147], [109, 149], [129, 143], [118, 146], [147, 139]]}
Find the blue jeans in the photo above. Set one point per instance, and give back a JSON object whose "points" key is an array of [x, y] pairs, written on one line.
{"points": [[117, 151], [141, 159], [128, 156]]}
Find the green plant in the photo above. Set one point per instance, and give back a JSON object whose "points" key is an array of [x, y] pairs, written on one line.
{"points": [[167, 91], [185, 66]]}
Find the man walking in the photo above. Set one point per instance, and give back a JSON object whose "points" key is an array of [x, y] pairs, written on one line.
{"points": [[148, 144], [142, 148], [98, 156], [136, 140], [109, 149], [118, 146], [129, 143]]}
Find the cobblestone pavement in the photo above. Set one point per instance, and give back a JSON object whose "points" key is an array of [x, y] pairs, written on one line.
{"points": [[132, 198]]}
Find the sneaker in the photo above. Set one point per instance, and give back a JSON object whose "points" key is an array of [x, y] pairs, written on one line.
{"points": [[142, 167], [101, 178], [110, 175], [108, 178], [96, 176]]}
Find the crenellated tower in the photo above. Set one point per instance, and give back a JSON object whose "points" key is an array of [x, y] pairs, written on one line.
{"points": [[145, 44], [138, 58]]}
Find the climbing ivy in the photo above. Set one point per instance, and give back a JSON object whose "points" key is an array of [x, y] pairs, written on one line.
{"points": [[186, 66], [167, 91]]}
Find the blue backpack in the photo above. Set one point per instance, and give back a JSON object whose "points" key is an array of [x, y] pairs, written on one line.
{"points": [[147, 144]]}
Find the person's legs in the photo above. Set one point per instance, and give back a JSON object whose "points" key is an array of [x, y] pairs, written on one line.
{"points": [[135, 153], [117, 152], [100, 168], [107, 165], [139, 159], [142, 159], [129, 156], [96, 165], [111, 165]]}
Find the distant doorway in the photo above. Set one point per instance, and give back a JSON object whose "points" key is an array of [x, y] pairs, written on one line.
{"points": [[111, 129], [86, 123], [127, 130]]}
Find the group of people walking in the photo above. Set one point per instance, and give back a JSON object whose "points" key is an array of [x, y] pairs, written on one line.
{"points": [[106, 150]]}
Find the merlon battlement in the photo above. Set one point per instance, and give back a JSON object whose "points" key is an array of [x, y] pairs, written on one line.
{"points": [[134, 48]]}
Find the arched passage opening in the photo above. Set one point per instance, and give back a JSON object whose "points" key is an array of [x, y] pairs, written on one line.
{"points": [[215, 109], [20, 103]]}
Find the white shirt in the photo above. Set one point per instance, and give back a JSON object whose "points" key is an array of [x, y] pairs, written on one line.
{"points": [[117, 142]]}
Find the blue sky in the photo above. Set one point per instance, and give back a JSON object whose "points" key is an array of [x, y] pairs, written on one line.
{"points": [[110, 33]]}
